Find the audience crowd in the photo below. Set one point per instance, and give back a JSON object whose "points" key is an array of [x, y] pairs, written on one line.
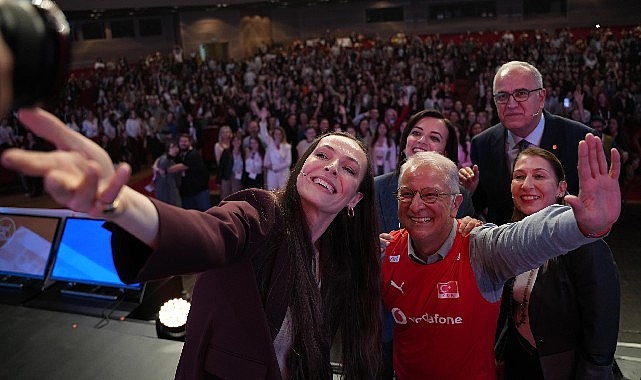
{"points": [[368, 87], [268, 109]]}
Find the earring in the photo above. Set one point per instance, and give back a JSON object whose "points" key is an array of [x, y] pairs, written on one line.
{"points": [[350, 212]]}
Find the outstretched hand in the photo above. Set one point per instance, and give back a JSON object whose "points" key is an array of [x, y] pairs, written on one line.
{"points": [[599, 202], [79, 174]]}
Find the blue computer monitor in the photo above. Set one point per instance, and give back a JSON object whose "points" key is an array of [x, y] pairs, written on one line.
{"points": [[26, 244], [84, 255]]}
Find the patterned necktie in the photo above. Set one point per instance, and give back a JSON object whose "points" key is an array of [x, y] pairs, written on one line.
{"points": [[523, 144], [512, 153]]}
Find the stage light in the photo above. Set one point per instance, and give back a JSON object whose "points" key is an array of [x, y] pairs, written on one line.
{"points": [[171, 319]]}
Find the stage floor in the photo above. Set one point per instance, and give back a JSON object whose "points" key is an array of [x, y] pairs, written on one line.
{"points": [[43, 344]]}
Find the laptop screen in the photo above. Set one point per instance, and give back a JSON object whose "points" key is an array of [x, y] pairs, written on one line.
{"points": [[26, 244], [84, 255]]}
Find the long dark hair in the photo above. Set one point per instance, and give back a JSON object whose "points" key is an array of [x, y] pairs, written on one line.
{"points": [[261, 148], [451, 144], [349, 300]]}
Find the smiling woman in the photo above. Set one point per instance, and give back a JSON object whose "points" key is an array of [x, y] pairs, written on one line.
{"points": [[426, 131], [330, 179], [537, 182], [562, 300], [284, 264]]}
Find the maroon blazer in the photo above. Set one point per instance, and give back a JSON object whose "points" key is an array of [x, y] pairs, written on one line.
{"points": [[241, 295]]}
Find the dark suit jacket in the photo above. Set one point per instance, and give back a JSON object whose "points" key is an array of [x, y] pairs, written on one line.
{"points": [[387, 204], [574, 314], [240, 298], [561, 136]]}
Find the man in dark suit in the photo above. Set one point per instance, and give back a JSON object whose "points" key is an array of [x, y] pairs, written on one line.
{"points": [[519, 96]]}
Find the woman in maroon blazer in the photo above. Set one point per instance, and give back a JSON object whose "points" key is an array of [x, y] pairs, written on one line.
{"points": [[282, 274]]}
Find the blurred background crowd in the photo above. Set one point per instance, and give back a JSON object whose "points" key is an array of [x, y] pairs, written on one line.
{"points": [[367, 87]]}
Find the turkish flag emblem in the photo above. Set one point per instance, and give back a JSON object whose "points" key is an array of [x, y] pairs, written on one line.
{"points": [[447, 289]]}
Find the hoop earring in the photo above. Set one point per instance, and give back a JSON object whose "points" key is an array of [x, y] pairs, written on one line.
{"points": [[350, 212]]}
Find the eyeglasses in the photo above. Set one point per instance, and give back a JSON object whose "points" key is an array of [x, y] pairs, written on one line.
{"points": [[428, 195], [520, 95]]}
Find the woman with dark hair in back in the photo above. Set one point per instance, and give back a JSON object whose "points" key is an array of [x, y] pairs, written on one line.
{"points": [[231, 167], [426, 131], [382, 150], [254, 158]]}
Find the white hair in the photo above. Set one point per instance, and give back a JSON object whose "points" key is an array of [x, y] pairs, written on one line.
{"points": [[441, 164], [536, 74]]}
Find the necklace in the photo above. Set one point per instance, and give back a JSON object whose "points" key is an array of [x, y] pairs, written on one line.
{"points": [[522, 307]]}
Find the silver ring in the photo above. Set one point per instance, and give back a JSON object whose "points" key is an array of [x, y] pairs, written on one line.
{"points": [[110, 207]]}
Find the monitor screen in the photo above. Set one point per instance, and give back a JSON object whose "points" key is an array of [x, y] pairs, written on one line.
{"points": [[84, 255], [26, 243]]}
